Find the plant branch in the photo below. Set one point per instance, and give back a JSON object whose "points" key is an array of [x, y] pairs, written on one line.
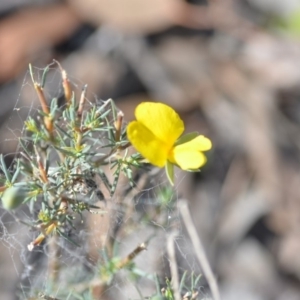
{"points": [[200, 253]]}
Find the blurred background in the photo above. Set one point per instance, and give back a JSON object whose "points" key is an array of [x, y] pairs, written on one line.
{"points": [[230, 68]]}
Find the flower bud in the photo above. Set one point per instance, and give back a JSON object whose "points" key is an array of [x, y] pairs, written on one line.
{"points": [[13, 197]]}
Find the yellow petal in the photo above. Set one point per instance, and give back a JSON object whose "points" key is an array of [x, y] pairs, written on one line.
{"points": [[161, 120], [147, 144], [189, 155], [188, 159], [200, 143]]}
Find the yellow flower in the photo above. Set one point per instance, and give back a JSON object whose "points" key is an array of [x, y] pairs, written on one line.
{"points": [[155, 134]]}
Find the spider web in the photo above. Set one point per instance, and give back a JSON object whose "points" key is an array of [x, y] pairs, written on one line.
{"points": [[143, 214]]}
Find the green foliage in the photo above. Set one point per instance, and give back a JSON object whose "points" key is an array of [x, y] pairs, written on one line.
{"points": [[64, 151]]}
